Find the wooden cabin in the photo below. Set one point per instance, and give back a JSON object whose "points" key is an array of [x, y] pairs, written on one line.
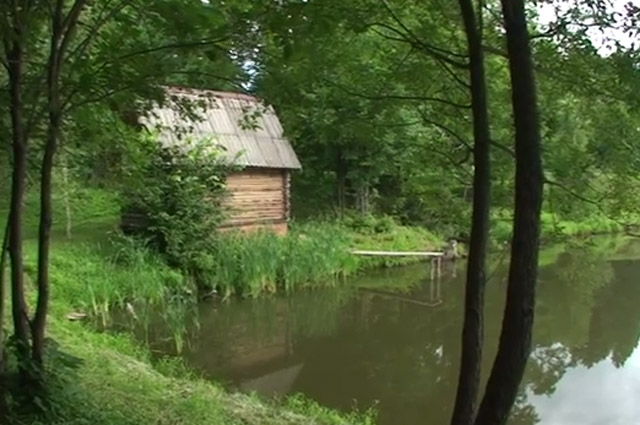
{"points": [[251, 137]]}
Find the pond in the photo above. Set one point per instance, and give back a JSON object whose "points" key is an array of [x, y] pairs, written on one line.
{"points": [[363, 344]]}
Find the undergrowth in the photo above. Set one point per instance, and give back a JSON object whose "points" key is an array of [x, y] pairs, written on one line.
{"points": [[554, 227]]}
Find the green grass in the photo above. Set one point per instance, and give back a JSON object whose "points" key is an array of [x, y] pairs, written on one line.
{"points": [[105, 379], [115, 381], [555, 228], [312, 254], [96, 281]]}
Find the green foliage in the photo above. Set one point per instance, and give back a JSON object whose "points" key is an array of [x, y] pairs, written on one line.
{"points": [[385, 234], [177, 192], [311, 254], [309, 408], [97, 279], [367, 111], [555, 227]]}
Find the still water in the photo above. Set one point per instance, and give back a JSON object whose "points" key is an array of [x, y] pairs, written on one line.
{"points": [[364, 344]]}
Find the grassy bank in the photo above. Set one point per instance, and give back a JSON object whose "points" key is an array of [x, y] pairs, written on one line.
{"points": [[98, 377], [105, 379], [555, 228]]}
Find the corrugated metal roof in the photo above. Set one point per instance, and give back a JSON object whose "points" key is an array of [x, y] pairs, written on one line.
{"points": [[247, 129]]}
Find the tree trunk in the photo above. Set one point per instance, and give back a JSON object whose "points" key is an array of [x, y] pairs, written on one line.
{"points": [[18, 304], [473, 333], [362, 199], [44, 241], [62, 31], [341, 183], [67, 196], [3, 287], [515, 339], [44, 230]]}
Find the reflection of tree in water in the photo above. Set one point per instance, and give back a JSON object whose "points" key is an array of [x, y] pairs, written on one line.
{"points": [[522, 412], [587, 312], [615, 323], [547, 365], [567, 293]]}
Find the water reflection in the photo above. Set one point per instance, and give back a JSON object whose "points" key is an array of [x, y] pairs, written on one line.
{"points": [[349, 347]]}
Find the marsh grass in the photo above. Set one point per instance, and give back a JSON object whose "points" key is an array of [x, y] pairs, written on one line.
{"points": [[310, 255]]}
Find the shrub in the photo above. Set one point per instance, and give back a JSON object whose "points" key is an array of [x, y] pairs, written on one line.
{"points": [[178, 192]]}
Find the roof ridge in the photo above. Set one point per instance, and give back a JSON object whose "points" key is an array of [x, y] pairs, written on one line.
{"points": [[217, 93]]}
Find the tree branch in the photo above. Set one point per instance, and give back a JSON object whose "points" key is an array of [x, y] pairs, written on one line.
{"points": [[100, 96], [416, 39], [69, 26], [93, 32], [503, 148], [185, 45], [399, 97], [446, 129], [572, 193], [418, 44]]}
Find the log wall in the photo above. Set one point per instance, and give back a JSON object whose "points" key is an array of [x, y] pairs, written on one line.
{"points": [[258, 197]]}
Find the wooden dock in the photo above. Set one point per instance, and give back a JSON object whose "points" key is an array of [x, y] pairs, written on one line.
{"points": [[428, 254], [435, 256]]}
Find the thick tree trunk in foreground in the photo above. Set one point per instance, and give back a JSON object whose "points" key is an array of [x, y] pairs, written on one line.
{"points": [[19, 307], [515, 339], [3, 291], [62, 30], [46, 177], [3, 294], [44, 242], [472, 333], [67, 197]]}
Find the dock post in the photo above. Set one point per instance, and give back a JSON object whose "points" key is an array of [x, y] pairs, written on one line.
{"points": [[433, 268]]}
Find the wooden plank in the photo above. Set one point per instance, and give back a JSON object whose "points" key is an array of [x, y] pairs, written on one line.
{"points": [[399, 253], [255, 181], [239, 205], [245, 177], [255, 204], [257, 214], [275, 195], [258, 187], [268, 221]]}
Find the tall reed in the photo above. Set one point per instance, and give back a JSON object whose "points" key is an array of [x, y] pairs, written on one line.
{"points": [[262, 262]]}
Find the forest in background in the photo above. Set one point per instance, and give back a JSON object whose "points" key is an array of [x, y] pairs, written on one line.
{"points": [[380, 126], [374, 96]]}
